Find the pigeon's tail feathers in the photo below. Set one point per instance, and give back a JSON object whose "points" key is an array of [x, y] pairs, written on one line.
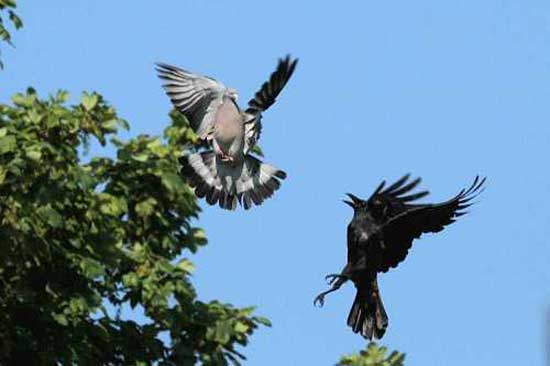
{"points": [[257, 181], [226, 184], [201, 173], [367, 315]]}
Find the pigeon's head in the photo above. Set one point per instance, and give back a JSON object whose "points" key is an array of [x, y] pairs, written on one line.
{"points": [[356, 203], [233, 94]]}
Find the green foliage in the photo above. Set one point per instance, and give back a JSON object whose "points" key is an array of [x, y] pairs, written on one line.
{"points": [[7, 7], [373, 355], [77, 235]]}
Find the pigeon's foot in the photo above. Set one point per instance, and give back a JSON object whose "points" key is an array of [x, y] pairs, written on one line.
{"points": [[226, 158]]}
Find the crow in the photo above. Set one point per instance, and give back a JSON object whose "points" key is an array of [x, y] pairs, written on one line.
{"points": [[379, 237]]}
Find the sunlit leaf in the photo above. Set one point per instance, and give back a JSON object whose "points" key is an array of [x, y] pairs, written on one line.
{"points": [[89, 101]]}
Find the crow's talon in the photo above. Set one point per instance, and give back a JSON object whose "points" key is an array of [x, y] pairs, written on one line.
{"points": [[319, 299], [331, 278]]}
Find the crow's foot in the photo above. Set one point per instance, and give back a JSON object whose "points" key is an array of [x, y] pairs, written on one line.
{"points": [[320, 299], [333, 277]]}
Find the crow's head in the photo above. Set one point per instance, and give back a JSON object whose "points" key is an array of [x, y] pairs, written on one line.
{"points": [[375, 205], [356, 202]]}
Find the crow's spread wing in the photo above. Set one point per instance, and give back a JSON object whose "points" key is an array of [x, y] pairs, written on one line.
{"points": [[399, 232], [396, 198]]}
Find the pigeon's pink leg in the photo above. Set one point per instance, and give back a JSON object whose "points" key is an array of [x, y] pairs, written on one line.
{"points": [[219, 152]]}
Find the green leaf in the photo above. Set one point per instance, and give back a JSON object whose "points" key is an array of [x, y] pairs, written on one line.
{"points": [[61, 319], [199, 236], [157, 147], [241, 327], [51, 216], [186, 266], [34, 116], [263, 321], [24, 100], [5, 35], [33, 154], [7, 144], [89, 101], [257, 150], [112, 125], [91, 268], [130, 280], [222, 332], [146, 208], [17, 22], [3, 172], [373, 356], [62, 96], [111, 205], [171, 181], [8, 3], [142, 157]]}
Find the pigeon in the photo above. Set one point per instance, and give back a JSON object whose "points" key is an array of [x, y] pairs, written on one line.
{"points": [[379, 237], [227, 173]]}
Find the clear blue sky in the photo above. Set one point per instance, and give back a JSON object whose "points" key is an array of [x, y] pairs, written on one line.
{"points": [[441, 89]]}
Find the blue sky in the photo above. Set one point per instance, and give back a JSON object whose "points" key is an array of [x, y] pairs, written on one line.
{"points": [[444, 90]]}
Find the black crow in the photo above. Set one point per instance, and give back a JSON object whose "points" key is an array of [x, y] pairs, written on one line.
{"points": [[379, 237]]}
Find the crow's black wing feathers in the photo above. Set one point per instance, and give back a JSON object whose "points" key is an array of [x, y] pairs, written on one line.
{"points": [[400, 231], [269, 91], [394, 198]]}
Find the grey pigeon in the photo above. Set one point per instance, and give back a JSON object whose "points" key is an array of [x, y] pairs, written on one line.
{"points": [[226, 173]]}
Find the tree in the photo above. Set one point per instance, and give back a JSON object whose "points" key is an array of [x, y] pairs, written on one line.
{"points": [[79, 236], [8, 7], [373, 355]]}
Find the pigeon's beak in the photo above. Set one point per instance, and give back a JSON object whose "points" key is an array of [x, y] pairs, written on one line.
{"points": [[354, 200]]}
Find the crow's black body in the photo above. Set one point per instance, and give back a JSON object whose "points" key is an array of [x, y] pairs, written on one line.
{"points": [[379, 237]]}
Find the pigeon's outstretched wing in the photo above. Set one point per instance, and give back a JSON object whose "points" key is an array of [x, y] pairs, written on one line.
{"points": [[398, 233], [265, 97], [195, 96]]}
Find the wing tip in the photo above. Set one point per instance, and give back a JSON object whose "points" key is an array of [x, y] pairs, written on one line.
{"points": [[466, 196]]}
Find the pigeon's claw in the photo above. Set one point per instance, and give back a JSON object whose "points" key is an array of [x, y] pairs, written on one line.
{"points": [[226, 158]]}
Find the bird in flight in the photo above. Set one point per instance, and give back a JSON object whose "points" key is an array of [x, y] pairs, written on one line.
{"points": [[227, 173], [379, 237]]}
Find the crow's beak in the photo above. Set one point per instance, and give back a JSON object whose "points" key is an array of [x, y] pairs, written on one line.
{"points": [[354, 200], [348, 203]]}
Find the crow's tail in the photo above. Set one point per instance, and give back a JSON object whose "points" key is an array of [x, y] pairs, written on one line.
{"points": [[367, 315]]}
